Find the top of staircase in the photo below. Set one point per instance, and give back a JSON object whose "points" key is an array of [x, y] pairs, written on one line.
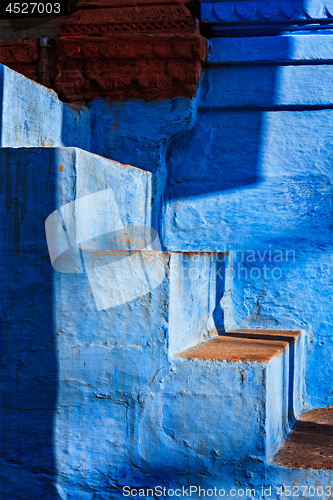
{"points": [[243, 345]]}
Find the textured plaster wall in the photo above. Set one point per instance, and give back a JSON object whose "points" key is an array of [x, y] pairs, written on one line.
{"points": [[261, 184], [94, 400]]}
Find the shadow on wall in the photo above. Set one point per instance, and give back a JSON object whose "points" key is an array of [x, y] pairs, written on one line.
{"points": [[223, 150], [29, 365]]}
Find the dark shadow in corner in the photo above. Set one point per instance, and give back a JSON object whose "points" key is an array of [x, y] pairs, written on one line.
{"points": [[218, 313]]}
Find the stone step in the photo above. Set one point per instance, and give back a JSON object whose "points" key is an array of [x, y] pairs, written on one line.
{"points": [[88, 194], [251, 374], [244, 345], [33, 116], [310, 443]]}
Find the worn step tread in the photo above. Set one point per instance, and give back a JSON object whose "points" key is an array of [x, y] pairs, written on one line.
{"points": [[243, 345], [310, 443]]}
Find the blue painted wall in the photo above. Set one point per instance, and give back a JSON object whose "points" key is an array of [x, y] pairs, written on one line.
{"points": [[95, 400]]}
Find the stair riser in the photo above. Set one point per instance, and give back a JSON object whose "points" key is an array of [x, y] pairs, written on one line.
{"points": [[85, 376]]}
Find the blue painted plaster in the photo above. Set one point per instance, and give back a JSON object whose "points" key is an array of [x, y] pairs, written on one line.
{"points": [[95, 400]]}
